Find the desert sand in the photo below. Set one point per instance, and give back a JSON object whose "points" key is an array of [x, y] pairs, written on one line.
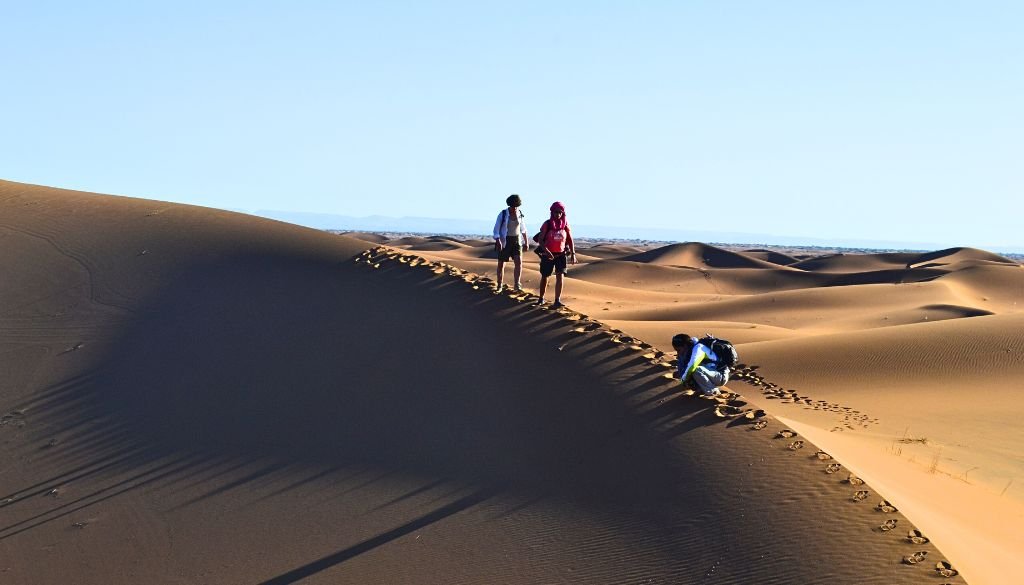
{"points": [[197, 396]]}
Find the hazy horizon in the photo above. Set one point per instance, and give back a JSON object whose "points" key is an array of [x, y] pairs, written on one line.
{"points": [[470, 227]]}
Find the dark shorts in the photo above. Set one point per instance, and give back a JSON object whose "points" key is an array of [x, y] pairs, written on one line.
{"points": [[548, 265], [513, 249]]}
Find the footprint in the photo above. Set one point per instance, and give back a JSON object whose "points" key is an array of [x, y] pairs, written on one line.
{"points": [[726, 411], [916, 537], [888, 525], [796, 445], [822, 456], [854, 480], [753, 414], [860, 495], [785, 434], [757, 426], [915, 558], [885, 506], [945, 569], [832, 468]]}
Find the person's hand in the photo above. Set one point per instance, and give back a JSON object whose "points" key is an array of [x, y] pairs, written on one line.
{"points": [[497, 245], [526, 246], [572, 258]]}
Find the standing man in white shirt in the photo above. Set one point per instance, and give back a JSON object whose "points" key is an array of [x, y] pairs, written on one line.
{"points": [[510, 240]]}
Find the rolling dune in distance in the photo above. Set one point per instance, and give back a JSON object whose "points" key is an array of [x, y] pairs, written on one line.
{"points": [[196, 396]]}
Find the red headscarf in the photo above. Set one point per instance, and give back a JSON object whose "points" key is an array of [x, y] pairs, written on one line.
{"points": [[558, 223]]}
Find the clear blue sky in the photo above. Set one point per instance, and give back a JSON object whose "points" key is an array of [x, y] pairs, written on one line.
{"points": [[887, 120]]}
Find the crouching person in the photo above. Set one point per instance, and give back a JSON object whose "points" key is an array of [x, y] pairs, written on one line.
{"points": [[704, 364]]}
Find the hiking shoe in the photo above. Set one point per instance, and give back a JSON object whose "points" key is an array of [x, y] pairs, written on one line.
{"points": [[539, 302], [557, 304], [519, 287], [499, 288], [712, 392]]}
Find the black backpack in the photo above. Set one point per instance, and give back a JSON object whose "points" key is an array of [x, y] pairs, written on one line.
{"points": [[723, 349]]}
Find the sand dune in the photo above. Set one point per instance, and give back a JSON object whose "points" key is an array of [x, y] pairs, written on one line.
{"points": [[909, 364], [195, 396], [368, 237], [612, 250], [955, 255], [771, 256], [698, 256]]}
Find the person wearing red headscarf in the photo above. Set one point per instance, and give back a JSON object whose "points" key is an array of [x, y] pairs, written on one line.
{"points": [[556, 250]]}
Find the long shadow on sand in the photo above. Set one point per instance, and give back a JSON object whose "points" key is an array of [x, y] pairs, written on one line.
{"points": [[243, 370]]}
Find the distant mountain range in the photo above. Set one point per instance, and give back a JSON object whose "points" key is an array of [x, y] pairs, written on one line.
{"points": [[431, 225]]}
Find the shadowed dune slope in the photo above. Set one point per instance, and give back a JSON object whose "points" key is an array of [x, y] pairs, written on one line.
{"points": [[612, 251], [195, 396], [857, 262], [771, 256]]}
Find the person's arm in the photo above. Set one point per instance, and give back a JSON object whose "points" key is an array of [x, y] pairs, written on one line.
{"points": [[570, 245], [498, 226], [542, 245], [525, 233], [697, 355]]}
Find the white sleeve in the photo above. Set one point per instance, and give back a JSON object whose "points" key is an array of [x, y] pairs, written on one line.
{"points": [[497, 224], [695, 355], [522, 226]]}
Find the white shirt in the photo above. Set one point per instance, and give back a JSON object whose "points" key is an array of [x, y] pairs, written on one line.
{"points": [[501, 225]]}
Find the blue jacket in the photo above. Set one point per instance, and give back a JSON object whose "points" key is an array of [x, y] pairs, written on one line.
{"points": [[700, 355]]}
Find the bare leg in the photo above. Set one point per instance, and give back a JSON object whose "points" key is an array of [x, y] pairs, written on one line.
{"points": [[501, 273], [558, 286], [543, 287], [518, 271]]}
